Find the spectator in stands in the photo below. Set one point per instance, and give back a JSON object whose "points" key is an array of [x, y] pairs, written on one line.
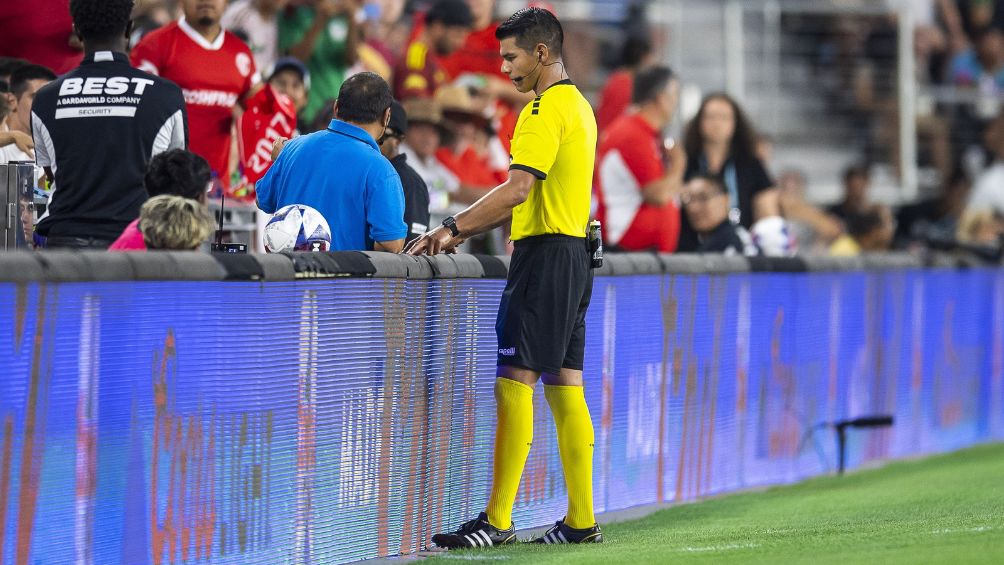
{"points": [[813, 229], [22, 142], [720, 141], [965, 18], [615, 98], [7, 66], [868, 231], [416, 194], [323, 34], [981, 66], [639, 178], [936, 218], [257, 22], [291, 77], [25, 82], [981, 227], [706, 201], [988, 189], [857, 183], [176, 172], [425, 129], [213, 67], [467, 150], [418, 73], [476, 65], [174, 223], [93, 157], [362, 198]]}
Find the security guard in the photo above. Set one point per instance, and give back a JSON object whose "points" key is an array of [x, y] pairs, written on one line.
{"points": [[541, 320]]}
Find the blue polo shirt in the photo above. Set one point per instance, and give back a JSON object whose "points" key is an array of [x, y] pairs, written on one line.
{"points": [[342, 174]]}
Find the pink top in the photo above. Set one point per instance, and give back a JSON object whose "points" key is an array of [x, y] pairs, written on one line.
{"points": [[130, 240]]}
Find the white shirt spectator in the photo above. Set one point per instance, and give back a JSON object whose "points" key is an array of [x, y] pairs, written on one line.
{"points": [[262, 33], [988, 190], [440, 180]]}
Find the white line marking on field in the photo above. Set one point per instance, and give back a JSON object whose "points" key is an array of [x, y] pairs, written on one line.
{"points": [[475, 557], [959, 530], [725, 547]]}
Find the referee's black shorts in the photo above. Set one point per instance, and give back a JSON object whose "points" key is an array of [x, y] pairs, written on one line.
{"points": [[541, 322]]}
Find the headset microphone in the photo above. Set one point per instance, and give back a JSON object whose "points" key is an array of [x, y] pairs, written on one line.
{"points": [[540, 57]]}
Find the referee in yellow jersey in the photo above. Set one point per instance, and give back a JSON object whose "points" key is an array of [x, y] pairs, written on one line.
{"points": [[541, 320]]}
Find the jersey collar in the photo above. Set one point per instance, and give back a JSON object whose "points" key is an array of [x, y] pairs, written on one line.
{"points": [[195, 36], [106, 57], [355, 132], [563, 82]]}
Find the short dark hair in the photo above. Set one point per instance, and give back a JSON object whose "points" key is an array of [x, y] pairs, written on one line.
{"points": [[714, 181], [9, 64], [450, 13], [635, 50], [101, 19], [178, 172], [363, 99], [21, 75], [650, 83], [862, 224], [857, 170], [531, 26]]}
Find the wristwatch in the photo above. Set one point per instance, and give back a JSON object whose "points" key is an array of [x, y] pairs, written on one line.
{"points": [[451, 224]]}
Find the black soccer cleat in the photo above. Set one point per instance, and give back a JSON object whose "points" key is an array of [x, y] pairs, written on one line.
{"points": [[476, 533], [562, 533]]}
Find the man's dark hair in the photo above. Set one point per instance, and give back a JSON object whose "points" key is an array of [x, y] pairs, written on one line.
{"points": [[21, 75], [714, 181], [363, 99], [450, 13], [650, 83], [101, 19], [8, 65], [634, 51], [859, 225], [531, 26], [177, 172], [856, 171]]}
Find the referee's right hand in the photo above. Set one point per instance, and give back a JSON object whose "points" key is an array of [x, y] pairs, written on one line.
{"points": [[434, 242]]}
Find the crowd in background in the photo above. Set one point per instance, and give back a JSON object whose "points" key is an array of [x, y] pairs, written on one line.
{"points": [[711, 191]]}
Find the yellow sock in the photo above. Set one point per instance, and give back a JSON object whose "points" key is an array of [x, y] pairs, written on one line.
{"points": [[575, 443], [513, 436]]}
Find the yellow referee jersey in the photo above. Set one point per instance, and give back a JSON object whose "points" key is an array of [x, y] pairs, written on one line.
{"points": [[555, 140]]}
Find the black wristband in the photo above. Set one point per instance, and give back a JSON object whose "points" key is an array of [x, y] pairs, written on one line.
{"points": [[451, 224]]}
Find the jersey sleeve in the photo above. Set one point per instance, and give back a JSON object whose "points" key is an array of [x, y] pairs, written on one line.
{"points": [[147, 55], [759, 177], [43, 142], [385, 206], [536, 141], [644, 163]]}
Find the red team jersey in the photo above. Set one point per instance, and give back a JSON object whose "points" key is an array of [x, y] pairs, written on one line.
{"points": [[214, 78], [631, 156]]}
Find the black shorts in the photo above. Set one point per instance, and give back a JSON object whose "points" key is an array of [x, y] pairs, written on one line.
{"points": [[541, 323]]}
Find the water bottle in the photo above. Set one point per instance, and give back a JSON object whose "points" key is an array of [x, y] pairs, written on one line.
{"points": [[595, 234]]}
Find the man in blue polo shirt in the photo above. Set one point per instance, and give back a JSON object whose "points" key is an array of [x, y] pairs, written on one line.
{"points": [[341, 172]]}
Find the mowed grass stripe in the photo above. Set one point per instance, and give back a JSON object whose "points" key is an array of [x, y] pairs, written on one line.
{"points": [[944, 509]]}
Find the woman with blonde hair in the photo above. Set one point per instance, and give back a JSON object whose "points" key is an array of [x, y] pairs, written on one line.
{"points": [[173, 222]]}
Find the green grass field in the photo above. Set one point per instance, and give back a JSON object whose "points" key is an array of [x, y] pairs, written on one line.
{"points": [[945, 509]]}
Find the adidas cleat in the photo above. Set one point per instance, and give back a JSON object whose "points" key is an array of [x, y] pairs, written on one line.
{"points": [[562, 533], [476, 533]]}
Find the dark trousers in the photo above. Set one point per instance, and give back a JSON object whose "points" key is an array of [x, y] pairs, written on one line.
{"points": [[70, 242]]}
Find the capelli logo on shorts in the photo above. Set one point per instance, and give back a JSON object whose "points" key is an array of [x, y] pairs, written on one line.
{"points": [[508, 352]]}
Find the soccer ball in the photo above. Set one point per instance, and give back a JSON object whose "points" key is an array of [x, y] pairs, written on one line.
{"points": [[771, 235], [297, 227]]}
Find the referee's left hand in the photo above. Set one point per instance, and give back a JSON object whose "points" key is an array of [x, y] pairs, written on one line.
{"points": [[434, 242]]}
